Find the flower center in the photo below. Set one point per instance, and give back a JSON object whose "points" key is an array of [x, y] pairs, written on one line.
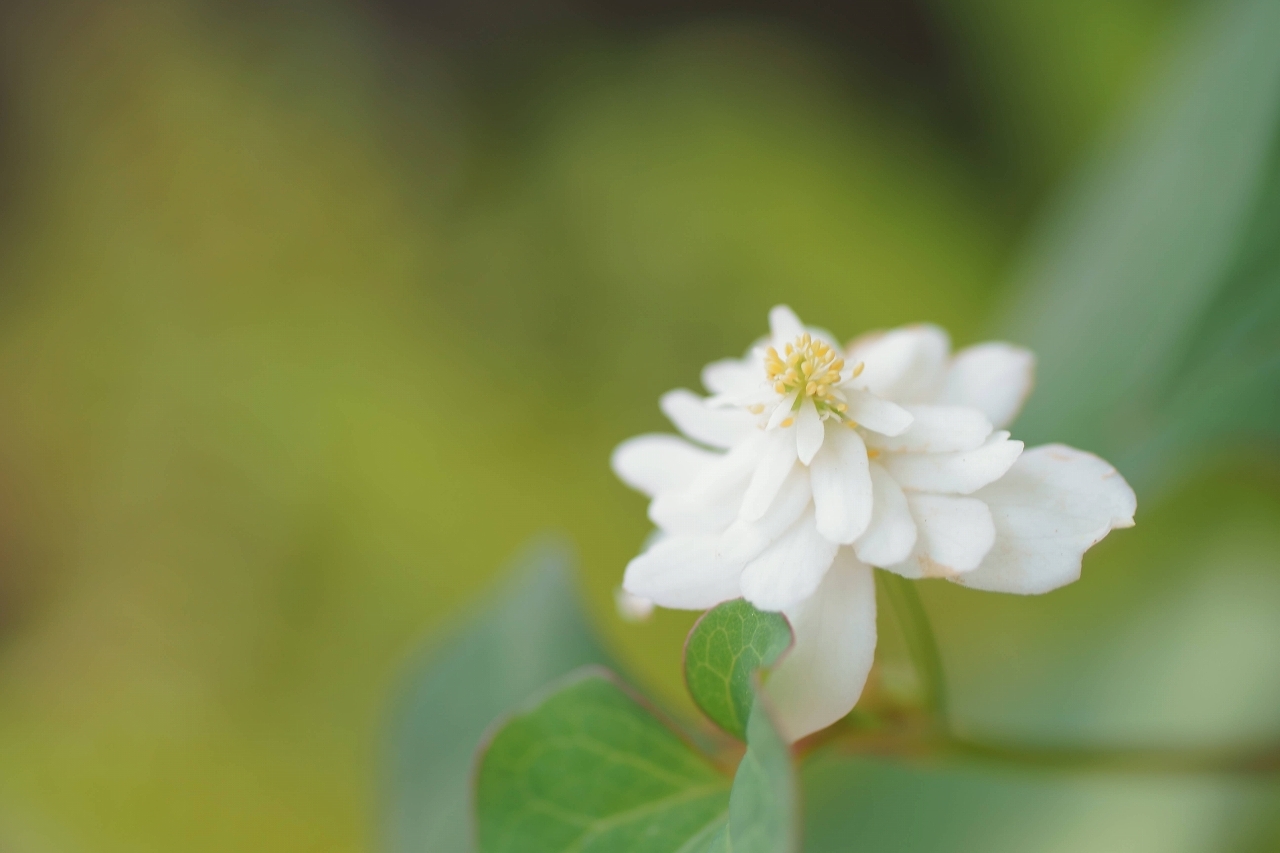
{"points": [[809, 367]]}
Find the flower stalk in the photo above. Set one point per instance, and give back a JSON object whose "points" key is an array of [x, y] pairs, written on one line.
{"points": [[922, 646]]}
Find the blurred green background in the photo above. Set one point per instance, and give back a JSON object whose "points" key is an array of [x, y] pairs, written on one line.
{"points": [[312, 314]]}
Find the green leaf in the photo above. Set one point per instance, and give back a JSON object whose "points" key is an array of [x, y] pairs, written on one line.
{"points": [[590, 770], [531, 633], [763, 812], [724, 650], [1150, 296]]}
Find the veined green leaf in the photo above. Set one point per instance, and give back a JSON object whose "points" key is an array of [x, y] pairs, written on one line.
{"points": [[722, 654], [590, 770]]}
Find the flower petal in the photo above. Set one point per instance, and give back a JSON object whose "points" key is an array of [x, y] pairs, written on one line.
{"points": [[905, 365], [632, 608], [809, 431], [875, 414], [936, 429], [732, 376], [781, 411], [712, 500], [1053, 505], [745, 540], [683, 572], [960, 473], [891, 533], [790, 569], [821, 678], [841, 486], [775, 464], [712, 426], [784, 326], [658, 463], [994, 378], [674, 512], [954, 535]]}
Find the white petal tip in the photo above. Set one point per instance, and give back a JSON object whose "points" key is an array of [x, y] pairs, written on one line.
{"points": [[632, 608], [838, 533]]}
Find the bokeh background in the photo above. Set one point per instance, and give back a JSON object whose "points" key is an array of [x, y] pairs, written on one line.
{"points": [[313, 314]]}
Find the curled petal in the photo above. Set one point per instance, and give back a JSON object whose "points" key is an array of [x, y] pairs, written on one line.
{"points": [[906, 365], [712, 426], [683, 573], [809, 431], [936, 429], [891, 533], [1053, 505], [659, 463], [994, 378], [876, 414], [820, 680], [959, 473], [775, 464], [790, 569], [841, 486], [954, 534]]}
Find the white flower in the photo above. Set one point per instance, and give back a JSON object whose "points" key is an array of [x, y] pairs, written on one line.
{"points": [[816, 464]]}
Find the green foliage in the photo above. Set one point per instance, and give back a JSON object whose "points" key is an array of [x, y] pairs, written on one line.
{"points": [[763, 811], [724, 650], [530, 634], [1152, 298], [589, 769]]}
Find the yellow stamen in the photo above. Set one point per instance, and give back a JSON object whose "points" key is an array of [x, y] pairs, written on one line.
{"points": [[811, 368]]}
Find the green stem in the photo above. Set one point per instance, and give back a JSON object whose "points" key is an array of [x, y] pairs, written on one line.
{"points": [[914, 742], [921, 644], [1161, 760]]}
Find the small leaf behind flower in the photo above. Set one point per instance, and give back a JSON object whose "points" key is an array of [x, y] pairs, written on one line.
{"points": [[722, 654]]}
